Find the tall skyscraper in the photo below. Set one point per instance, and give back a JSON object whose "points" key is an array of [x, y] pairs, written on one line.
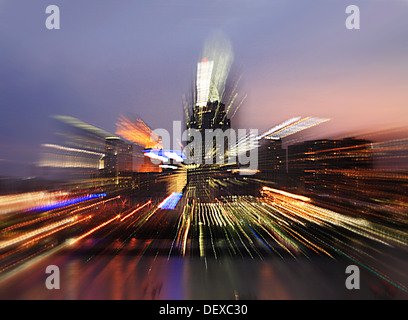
{"points": [[207, 114], [211, 116]]}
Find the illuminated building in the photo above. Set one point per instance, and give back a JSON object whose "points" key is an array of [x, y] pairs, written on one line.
{"points": [[210, 116], [271, 156], [272, 160], [347, 153], [117, 163], [118, 156], [310, 162], [207, 114]]}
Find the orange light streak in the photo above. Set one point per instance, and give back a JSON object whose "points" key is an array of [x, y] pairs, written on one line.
{"points": [[134, 211], [34, 233], [288, 194], [95, 229]]}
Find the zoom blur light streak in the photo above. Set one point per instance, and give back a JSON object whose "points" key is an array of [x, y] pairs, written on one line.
{"points": [[291, 126], [95, 229], [69, 202], [138, 132], [34, 233], [170, 202], [24, 201], [134, 211], [288, 194], [164, 155]]}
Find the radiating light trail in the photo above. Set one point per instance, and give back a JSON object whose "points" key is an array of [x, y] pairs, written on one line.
{"points": [[138, 132], [47, 234], [291, 126], [279, 127], [95, 229], [134, 211], [288, 194], [54, 146], [31, 234], [23, 201], [69, 202], [170, 202]]}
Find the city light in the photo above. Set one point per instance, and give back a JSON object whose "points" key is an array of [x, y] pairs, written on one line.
{"points": [[170, 202], [292, 126], [137, 131], [271, 167], [164, 155], [204, 74], [68, 202]]}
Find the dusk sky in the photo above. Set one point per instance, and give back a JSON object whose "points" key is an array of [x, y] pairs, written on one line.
{"points": [[109, 58]]}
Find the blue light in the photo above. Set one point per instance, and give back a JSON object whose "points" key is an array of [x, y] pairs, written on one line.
{"points": [[165, 153], [69, 202], [171, 202]]}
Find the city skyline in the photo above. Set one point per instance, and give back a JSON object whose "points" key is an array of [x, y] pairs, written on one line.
{"points": [[295, 59], [217, 150]]}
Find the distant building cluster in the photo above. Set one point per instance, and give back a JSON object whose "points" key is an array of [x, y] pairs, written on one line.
{"points": [[82, 151], [310, 165]]}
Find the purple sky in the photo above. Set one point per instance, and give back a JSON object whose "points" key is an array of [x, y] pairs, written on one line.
{"points": [[115, 57]]}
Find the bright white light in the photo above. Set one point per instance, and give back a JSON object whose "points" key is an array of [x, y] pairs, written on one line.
{"points": [[303, 124], [155, 156], [204, 73], [173, 156], [72, 149], [278, 127], [167, 166], [291, 126]]}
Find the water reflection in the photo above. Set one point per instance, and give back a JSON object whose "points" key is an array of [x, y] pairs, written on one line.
{"points": [[124, 277]]}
